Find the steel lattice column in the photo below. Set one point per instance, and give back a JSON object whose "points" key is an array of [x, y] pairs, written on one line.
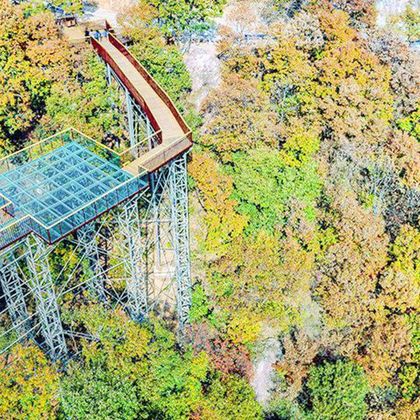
{"points": [[178, 191], [158, 182], [108, 74], [139, 126], [11, 284], [135, 263], [46, 302], [130, 116], [86, 237]]}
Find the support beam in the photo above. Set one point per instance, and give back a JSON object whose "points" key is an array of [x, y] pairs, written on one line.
{"points": [[46, 302], [178, 192], [130, 116], [13, 291], [108, 74], [156, 186], [87, 238], [132, 245]]}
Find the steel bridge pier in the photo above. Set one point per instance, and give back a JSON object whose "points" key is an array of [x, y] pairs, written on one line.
{"points": [[42, 286], [168, 205], [168, 202], [132, 244]]}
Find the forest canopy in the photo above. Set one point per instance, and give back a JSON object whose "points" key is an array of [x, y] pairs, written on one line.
{"points": [[304, 204]]}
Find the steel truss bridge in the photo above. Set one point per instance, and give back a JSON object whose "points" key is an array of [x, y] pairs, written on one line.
{"points": [[122, 216]]}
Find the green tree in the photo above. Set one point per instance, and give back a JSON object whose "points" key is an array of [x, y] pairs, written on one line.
{"points": [[265, 187], [163, 61], [84, 101], [95, 393], [133, 371], [337, 391], [232, 399], [184, 17], [30, 384], [411, 20]]}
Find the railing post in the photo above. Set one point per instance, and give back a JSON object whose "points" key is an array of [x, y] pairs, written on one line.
{"points": [[149, 129], [156, 214], [108, 74], [130, 116]]}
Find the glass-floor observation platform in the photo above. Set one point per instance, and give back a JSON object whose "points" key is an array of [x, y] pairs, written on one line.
{"points": [[57, 185]]}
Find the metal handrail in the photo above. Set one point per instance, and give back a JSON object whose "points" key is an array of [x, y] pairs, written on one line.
{"points": [[161, 148]]}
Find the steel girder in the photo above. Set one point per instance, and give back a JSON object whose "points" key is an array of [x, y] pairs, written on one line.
{"points": [[139, 126], [132, 244]]}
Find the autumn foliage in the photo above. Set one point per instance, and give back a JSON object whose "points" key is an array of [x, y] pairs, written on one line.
{"points": [[305, 180], [306, 168]]}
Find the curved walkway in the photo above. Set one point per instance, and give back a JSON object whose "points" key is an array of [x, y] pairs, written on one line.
{"points": [[174, 135]]}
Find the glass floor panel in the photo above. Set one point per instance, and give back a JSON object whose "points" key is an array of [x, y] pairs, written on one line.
{"points": [[60, 182]]}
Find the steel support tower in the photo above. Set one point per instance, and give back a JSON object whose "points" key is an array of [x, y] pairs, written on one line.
{"points": [[133, 244], [169, 203], [178, 191]]}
